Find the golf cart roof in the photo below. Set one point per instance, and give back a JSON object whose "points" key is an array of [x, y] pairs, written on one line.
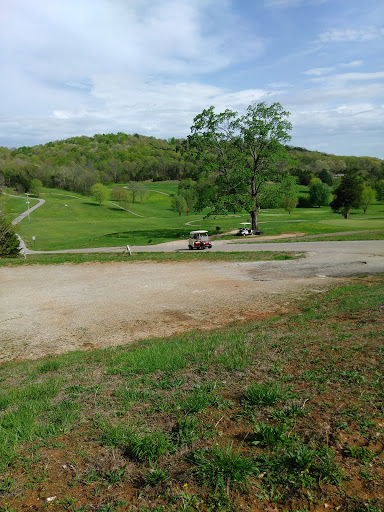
{"points": [[245, 223], [199, 232]]}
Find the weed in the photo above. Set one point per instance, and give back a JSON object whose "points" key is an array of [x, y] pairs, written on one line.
{"points": [[50, 366], [115, 435], [186, 502], [361, 453], [156, 475], [196, 400], [115, 475], [289, 412], [223, 468], [262, 394], [187, 431], [148, 446], [268, 435], [6, 485]]}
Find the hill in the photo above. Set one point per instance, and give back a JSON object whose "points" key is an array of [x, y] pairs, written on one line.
{"points": [[79, 162]]}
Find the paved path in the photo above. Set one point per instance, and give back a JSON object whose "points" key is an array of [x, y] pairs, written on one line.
{"points": [[27, 212]]}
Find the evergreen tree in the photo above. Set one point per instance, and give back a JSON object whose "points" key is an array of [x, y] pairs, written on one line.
{"points": [[348, 194], [9, 243]]}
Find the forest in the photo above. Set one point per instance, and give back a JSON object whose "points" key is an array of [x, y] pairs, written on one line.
{"points": [[77, 163]]}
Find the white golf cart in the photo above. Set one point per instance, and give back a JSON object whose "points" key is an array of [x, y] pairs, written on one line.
{"points": [[199, 240], [245, 229]]}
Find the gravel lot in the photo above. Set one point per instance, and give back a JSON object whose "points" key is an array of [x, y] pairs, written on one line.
{"points": [[57, 308]]}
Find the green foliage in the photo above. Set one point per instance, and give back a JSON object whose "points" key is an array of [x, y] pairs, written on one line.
{"points": [[348, 194], [9, 243], [368, 196], [319, 193], [379, 187], [178, 204], [35, 187], [121, 194], [238, 154], [99, 192], [288, 185], [325, 177]]}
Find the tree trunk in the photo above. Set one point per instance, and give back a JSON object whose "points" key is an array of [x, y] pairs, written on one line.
{"points": [[254, 216]]}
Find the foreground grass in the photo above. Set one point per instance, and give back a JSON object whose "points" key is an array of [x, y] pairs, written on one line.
{"points": [[160, 257], [285, 414]]}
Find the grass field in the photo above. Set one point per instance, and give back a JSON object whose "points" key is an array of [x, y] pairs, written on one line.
{"points": [[160, 257], [70, 221], [285, 414]]}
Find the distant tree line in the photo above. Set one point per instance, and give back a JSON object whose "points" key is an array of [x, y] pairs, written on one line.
{"points": [[78, 163]]}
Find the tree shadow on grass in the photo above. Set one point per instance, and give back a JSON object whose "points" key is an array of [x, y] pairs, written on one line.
{"points": [[148, 236]]}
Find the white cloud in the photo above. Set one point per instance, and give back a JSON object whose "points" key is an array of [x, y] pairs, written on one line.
{"points": [[350, 77], [293, 3], [336, 35], [318, 71], [352, 64]]}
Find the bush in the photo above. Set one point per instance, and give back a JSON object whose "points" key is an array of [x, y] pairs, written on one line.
{"points": [[304, 202]]}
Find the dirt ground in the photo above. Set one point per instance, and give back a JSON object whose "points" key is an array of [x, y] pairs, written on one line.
{"points": [[59, 308], [52, 309]]}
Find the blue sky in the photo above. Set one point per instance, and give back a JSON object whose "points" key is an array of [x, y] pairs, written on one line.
{"points": [[80, 67]]}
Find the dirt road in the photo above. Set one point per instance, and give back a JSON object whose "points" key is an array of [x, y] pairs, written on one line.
{"points": [[58, 308]]}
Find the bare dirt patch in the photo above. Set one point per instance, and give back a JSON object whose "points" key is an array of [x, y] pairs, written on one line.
{"points": [[59, 308]]}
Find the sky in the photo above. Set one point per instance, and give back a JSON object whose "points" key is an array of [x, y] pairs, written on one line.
{"points": [[81, 67]]}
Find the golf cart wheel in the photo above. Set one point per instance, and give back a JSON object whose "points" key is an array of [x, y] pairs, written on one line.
{"points": [[190, 247]]}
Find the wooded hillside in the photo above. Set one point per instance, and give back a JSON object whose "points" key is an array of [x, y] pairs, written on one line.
{"points": [[78, 163]]}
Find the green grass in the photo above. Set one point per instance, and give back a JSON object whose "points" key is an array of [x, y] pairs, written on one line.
{"points": [[160, 257], [70, 221], [291, 418]]}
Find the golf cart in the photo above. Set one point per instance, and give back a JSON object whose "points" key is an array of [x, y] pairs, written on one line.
{"points": [[245, 229], [199, 240]]}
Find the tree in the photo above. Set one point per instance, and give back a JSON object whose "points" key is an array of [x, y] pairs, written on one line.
{"points": [[9, 243], [187, 190], [121, 194], [368, 196], [99, 192], [134, 189], [319, 193], [35, 187], [289, 190], [178, 204], [239, 153], [348, 194], [380, 190], [325, 177]]}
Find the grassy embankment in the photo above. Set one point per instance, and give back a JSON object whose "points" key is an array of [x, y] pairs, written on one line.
{"points": [[70, 221], [282, 414]]}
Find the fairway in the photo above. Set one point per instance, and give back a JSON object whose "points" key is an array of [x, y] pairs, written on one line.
{"points": [[72, 221]]}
